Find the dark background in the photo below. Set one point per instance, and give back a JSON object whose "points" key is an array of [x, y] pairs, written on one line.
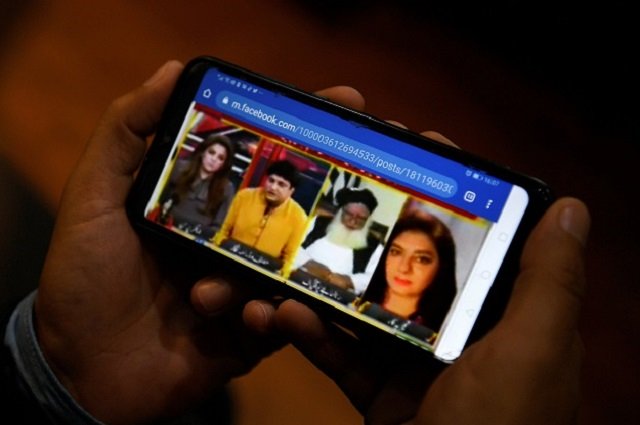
{"points": [[546, 88]]}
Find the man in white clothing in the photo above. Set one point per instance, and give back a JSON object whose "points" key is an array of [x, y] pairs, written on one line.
{"points": [[340, 250]]}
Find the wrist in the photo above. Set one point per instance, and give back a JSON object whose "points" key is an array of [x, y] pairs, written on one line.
{"points": [[40, 379]]}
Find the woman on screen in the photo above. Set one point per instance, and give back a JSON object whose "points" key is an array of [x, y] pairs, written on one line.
{"points": [[200, 191], [416, 280]]}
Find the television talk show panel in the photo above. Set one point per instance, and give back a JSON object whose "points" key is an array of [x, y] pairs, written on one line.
{"points": [[403, 239]]}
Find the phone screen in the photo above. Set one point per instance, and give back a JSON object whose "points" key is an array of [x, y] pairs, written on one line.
{"points": [[333, 205]]}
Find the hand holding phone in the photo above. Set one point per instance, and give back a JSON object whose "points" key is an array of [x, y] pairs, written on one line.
{"points": [[382, 230], [110, 316], [86, 306], [525, 370]]}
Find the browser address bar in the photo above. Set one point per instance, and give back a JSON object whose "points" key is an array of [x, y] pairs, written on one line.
{"points": [[335, 145]]}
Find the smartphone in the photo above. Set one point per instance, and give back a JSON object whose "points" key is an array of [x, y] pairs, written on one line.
{"points": [[382, 231]]}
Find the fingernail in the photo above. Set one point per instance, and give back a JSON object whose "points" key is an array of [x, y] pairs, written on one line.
{"points": [[267, 311], [214, 297], [574, 219]]}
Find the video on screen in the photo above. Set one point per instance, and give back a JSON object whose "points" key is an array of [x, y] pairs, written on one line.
{"points": [[367, 245]]}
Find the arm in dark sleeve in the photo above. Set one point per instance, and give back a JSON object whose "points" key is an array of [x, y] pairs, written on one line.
{"points": [[16, 401], [29, 391]]}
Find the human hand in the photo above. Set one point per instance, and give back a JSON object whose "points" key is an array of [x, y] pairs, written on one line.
{"points": [[113, 315], [340, 280], [526, 370], [316, 269], [110, 317]]}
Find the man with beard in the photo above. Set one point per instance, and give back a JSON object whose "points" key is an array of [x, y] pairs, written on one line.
{"points": [[340, 250]]}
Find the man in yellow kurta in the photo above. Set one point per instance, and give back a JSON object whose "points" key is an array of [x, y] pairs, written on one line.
{"points": [[267, 218]]}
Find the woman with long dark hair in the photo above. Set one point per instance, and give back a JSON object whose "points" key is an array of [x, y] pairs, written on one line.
{"points": [[200, 191], [415, 279]]}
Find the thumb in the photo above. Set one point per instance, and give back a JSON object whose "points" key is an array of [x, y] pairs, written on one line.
{"points": [[526, 370], [105, 171], [548, 293]]}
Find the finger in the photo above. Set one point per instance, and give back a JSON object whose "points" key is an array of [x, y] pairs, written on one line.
{"points": [[547, 297], [397, 124], [115, 150], [345, 96], [300, 323], [259, 316], [434, 135], [212, 296], [438, 137], [331, 351]]}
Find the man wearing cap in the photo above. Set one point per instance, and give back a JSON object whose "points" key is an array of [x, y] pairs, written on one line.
{"points": [[340, 250]]}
